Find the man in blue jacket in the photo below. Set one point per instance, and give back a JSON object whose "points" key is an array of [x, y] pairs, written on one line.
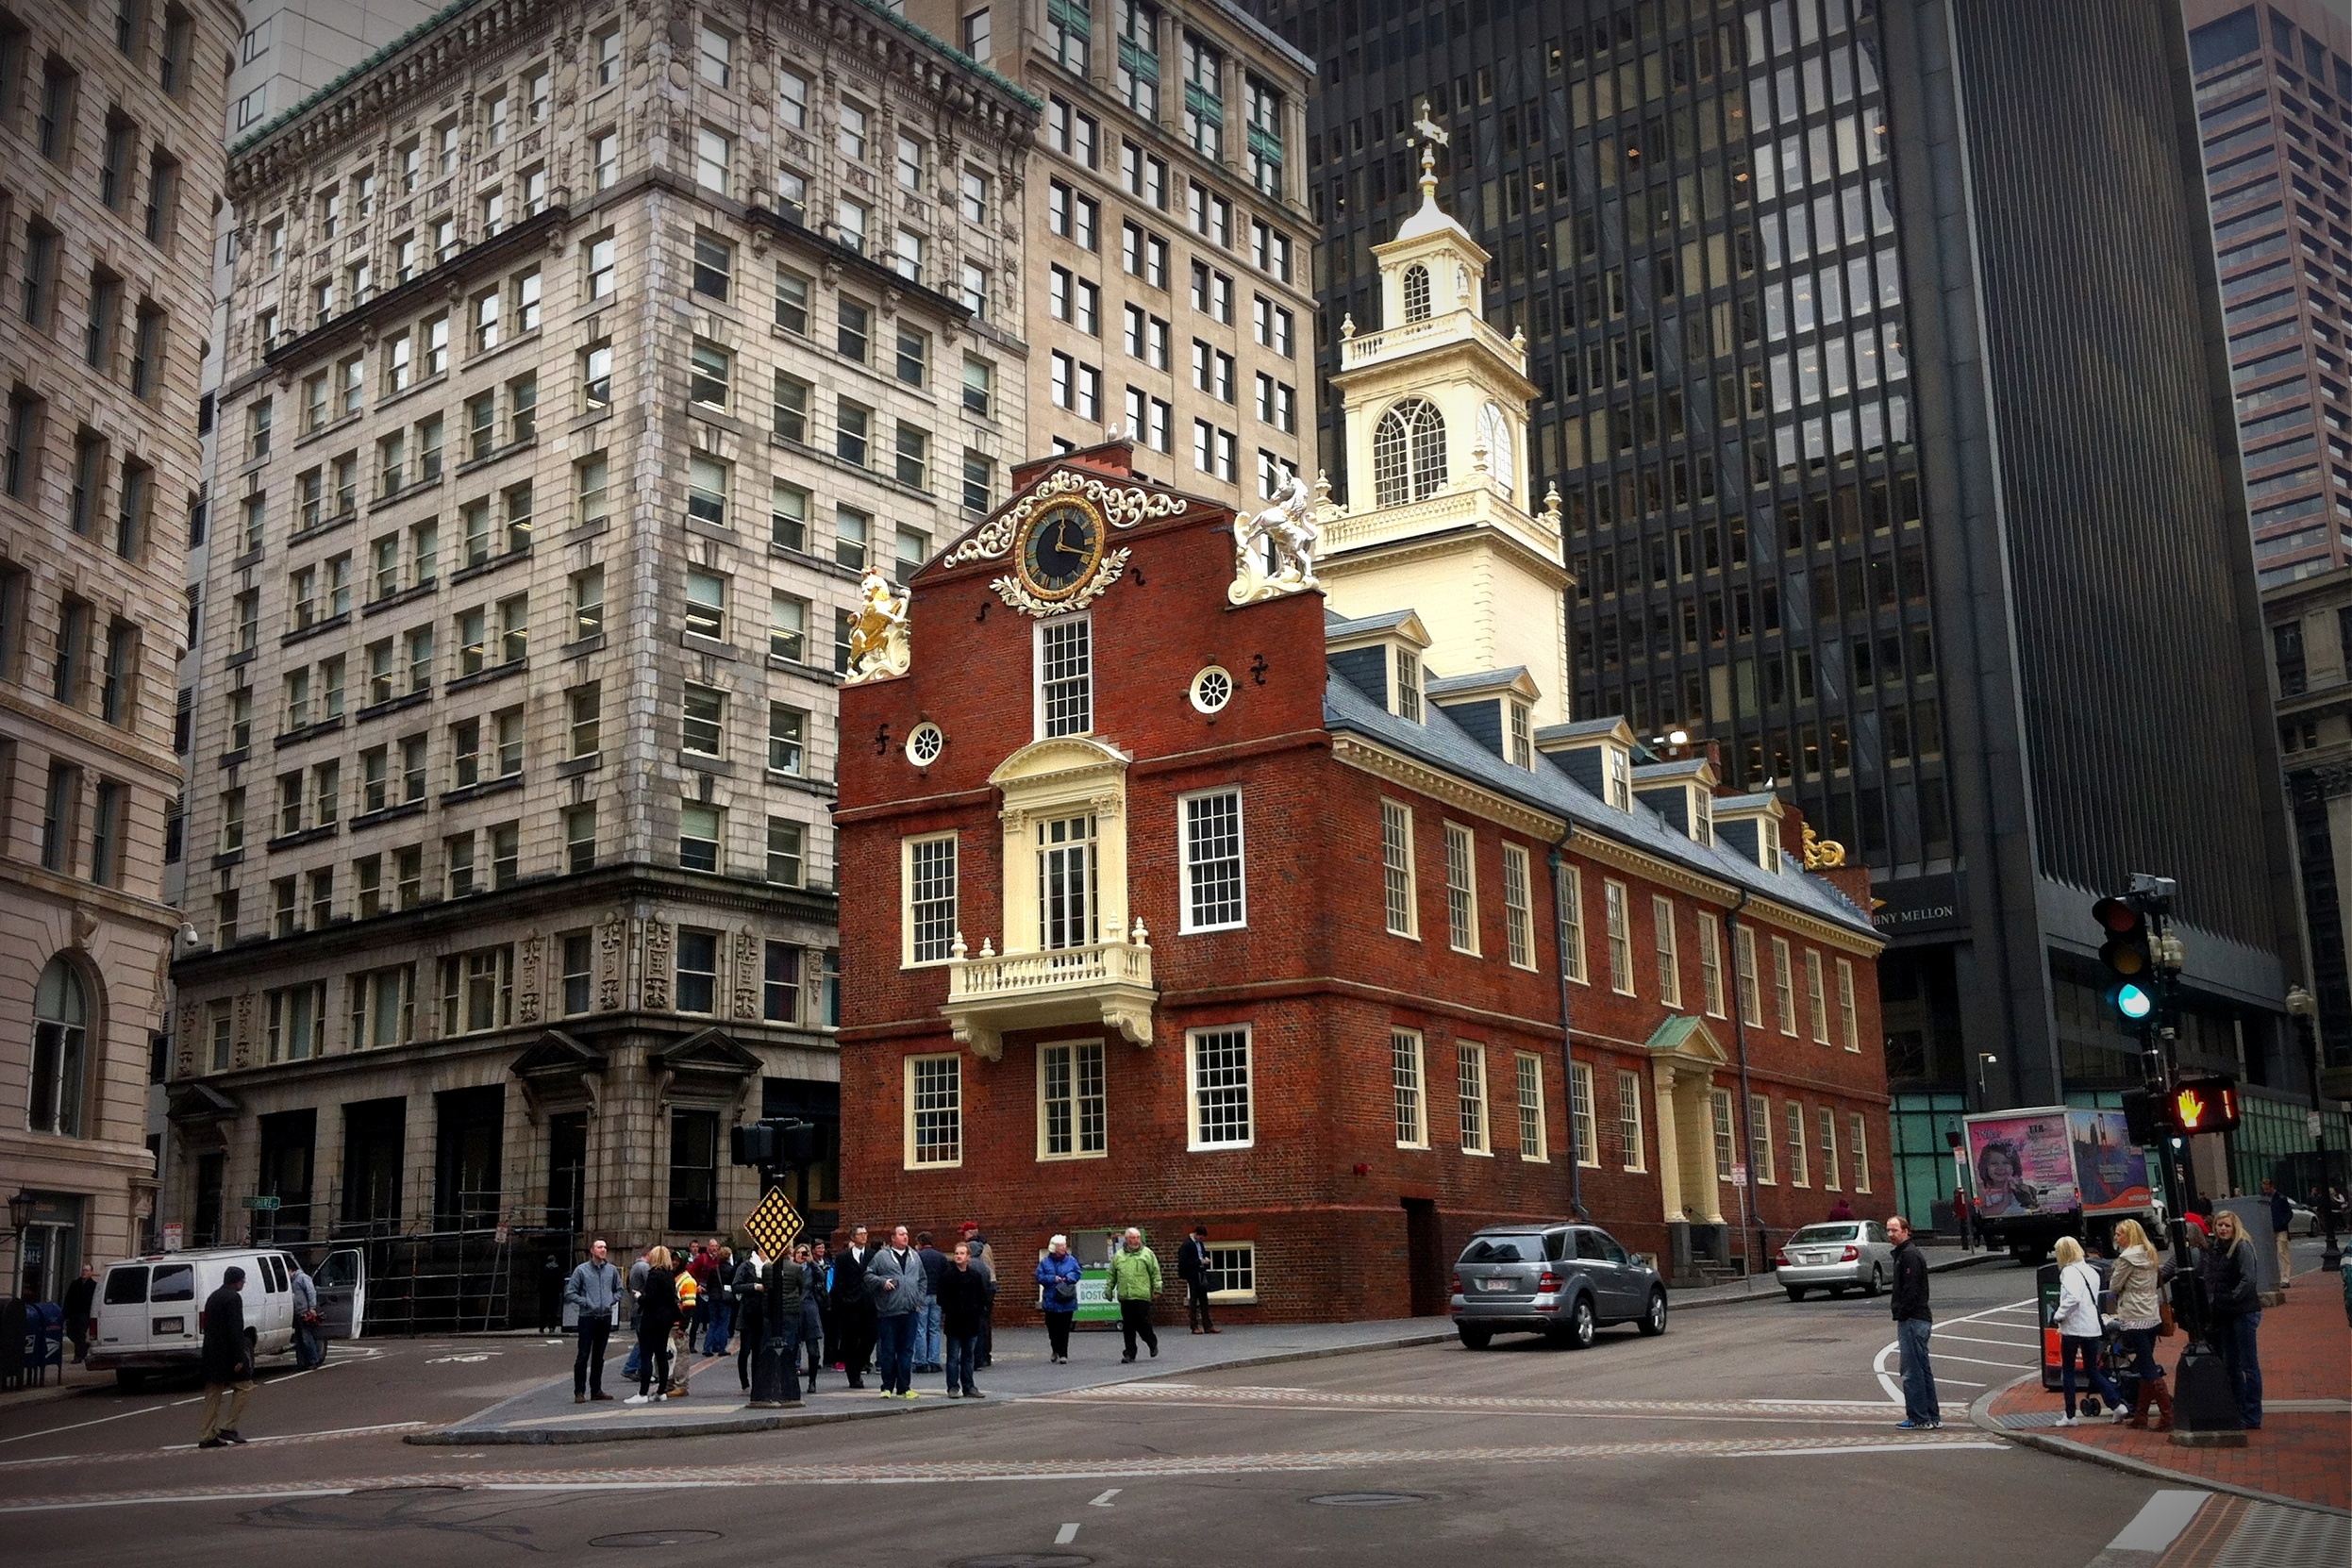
{"points": [[593, 1293], [898, 1288]]}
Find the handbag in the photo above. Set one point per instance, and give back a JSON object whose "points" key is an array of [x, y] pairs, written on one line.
{"points": [[1065, 1289], [2165, 1324]]}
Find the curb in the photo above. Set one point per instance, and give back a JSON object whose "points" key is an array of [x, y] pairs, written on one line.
{"points": [[1979, 1415], [450, 1437]]}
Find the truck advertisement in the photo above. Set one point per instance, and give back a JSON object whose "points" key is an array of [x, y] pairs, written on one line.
{"points": [[2040, 1174]]}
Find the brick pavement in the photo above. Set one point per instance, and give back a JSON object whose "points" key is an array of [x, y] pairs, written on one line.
{"points": [[2306, 1456]]}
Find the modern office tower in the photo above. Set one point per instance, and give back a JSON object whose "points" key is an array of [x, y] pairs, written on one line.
{"points": [[109, 167], [570, 390], [2273, 98], [1883, 381], [1167, 280]]}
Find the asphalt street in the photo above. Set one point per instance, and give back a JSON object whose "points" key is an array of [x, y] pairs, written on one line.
{"points": [[1752, 1434]]}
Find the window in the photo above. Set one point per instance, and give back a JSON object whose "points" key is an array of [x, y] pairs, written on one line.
{"points": [[1407, 685], [913, 460], [1817, 1002], [1462, 889], [976, 36], [1217, 1064], [579, 838], [596, 257], [705, 603], [1569, 889], [1783, 986], [1710, 965], [788, 516], [1744, 954], [1213, 891], [1528, 1068], [972, 196], [1404, 1076], [1798, 1174], [1071, 1105], [381, 1009], [1265, 145], [1071, 26], [1719, 1105], [779, 986], [1829, 1149], [706, 491], [1669, 957], [1070, 132], [1581, 1129], [1203, 98], [712, 153], [1849, 1034], [852, 137], [698, 837], [297, 1023], [60, 805], [703, 720], [790, 407], [934, 1110], [852, 532], [787, 731], [697, 970], [588, 481], [787, 627], [787, 861], [1859, 1145], [792, 99], [1409, 453], [710, 369], [714, 57], [1518, 923], [929, 874], [1470, 1095], [1759, 1140], [852, 428], [1630, 1120], [915, 356], [1396, 869], [1065, 676], [1620, 939]]}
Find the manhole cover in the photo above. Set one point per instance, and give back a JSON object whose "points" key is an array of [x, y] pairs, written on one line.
{"points": [[1024, 1560], [1369, 1499], [634, 1540]]}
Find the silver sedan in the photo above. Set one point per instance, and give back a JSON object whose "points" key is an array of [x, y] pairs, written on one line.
{"points": [[1837, 1256]]}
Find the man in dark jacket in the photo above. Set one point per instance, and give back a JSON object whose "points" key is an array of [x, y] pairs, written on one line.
{"points": [[1192, 1268], [79, 1298], [963, 1307], [851, 1311], [1914, 1324], [227, 1359]]}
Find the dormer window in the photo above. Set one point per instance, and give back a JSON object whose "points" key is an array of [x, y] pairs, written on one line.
{"points": [[1407, 685], [1702, 816], [1767, 848], [1522, 737], [1416, 289], [1619, 793]]}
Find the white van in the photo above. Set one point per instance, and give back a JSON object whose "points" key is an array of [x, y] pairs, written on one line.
{"points": [[149, 1310]]}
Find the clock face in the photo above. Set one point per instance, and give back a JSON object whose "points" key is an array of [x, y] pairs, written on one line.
{"points": [[1059, 548]]}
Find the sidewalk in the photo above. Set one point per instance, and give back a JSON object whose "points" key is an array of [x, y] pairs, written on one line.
{"points": [[2303, 1453]]}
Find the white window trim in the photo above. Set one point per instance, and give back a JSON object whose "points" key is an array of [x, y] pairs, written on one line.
{"points": [[1617, 906], [1037, 674], [1587, 1139], [1519, 920], [1421, 1085], [1637, 1157], [1471, 1050], [908, 1086], [1760, 1113], [1237, 1298], [1668, 939], [1800, 1160], [1848, 1016], [1710, 966], [1461, 834], [906, 898], [1191, 1088], [1569, 887], [1833, 1179], [1783, 988], [1413, 880], [1184, 859], [1816, 996], [1542, 1125], [1858, 1150], [1076, 1153]]}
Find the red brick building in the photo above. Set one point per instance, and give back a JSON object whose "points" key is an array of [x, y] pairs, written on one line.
{"points": [[1213, 903]]}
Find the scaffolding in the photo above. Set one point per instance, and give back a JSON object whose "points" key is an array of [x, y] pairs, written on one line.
{"points": [[471, 1278]]}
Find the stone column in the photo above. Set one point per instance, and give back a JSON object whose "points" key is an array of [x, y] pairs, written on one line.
{"points": [[1669, 1156]]}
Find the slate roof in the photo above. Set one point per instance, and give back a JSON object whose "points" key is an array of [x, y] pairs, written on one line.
{"points": [[1484, 680], [1335, 624], [1443, 743]]}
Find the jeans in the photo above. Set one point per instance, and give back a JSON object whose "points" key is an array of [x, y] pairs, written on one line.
{"points": [[2141, 1343], [310, 1349], [652, 1362], [752, 1332], [1057, 1332], [587, 1367], [2087, 1347], [893, 1350], [962, 1354], [1919, 1378], [722, 1327], [927, 1345], [1135, 1319], [2233, 1337]]}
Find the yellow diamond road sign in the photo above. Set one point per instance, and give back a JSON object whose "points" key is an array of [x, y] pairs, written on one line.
{"points": [[772, 1223]]}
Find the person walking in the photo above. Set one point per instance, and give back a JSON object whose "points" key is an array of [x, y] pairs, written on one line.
{"points": [[80, 1301], [811, 1310], [228, 1357], [722, 1294], [2233, 1305], [897, 1289], [985, 1262], [310, 1345], [593, 1294], [751, 1302], [2137, 1280], [963, 1307], [638, 1270], [853, 1314], [1134, 1282], [2079, 1331], [656, 1315], [1057, 1276], [1914, 1324], [2282, 1225], [1199, 1279], [928, 1352]]}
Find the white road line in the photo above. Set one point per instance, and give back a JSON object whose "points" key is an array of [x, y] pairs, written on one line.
{"points": [[76, 1427], [1972, 1339], [1065, 1535], [1893, 1385], [1104, 1501], [1867, 1448], [2159, 1522], [1979, 1360]]}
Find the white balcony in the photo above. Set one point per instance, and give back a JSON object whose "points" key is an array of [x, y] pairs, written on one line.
{"points": [[1105, 983]]}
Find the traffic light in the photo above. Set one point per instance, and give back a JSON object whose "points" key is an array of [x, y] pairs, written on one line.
{"points": [[2144, 1115], [777, 1141], [753, 1144], [2130, 966], [2205, 1103]]}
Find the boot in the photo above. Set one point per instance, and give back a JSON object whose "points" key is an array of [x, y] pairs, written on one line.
{"points": [[2139, 1403], [2158, 1391]]}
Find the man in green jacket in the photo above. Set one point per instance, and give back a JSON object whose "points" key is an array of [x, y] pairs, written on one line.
{"points": [[1134, 1281]]}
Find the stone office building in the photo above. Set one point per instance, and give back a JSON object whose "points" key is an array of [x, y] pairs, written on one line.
{"points": [[581, 359], [110, 169]]}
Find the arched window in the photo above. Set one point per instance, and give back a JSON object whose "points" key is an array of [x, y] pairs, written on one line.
{"points": [[1494, 431], [1416, 292], [61, 1051], [1408, 453]]}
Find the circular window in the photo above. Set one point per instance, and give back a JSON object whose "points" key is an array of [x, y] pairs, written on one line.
{"points": [[1211, 689], [925, 744]]}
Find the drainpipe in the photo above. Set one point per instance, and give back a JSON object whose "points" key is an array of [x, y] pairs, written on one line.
{"points": [[1567, 1054], [1747, 1102]]}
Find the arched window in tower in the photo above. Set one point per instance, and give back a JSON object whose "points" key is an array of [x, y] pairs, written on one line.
{"points": [[1408, 453], [61, 1051], [1494, 433], [1416, 292]]}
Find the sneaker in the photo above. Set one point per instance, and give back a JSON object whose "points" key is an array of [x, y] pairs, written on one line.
{"points": [[890, 1394], [953, 1395], [2070, 1421], [232, 1435], [1908, 1424], [908, 1393], [637, 1399]]}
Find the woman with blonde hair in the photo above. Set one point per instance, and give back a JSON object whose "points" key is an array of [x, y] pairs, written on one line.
{"points": [[656, 1315], [2079, 1329], [2137, 1278], [2233, 1303]]}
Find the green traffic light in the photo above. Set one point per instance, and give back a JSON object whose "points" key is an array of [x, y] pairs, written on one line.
{"points": [[2133, 1003]]}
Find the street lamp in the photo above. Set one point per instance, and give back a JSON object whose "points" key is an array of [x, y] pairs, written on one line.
{"points": [[2305, 1008]]}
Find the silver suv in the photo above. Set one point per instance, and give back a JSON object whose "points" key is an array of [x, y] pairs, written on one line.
{"points": [[1560, 1281]]}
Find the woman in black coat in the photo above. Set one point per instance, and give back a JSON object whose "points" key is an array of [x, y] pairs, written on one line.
{"points": [[2234, 1303], [749, 1300], [656, 1315], [812, 1309]]}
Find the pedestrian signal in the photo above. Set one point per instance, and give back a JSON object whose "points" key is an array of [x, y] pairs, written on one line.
{"points": [[2207, 1103]]}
